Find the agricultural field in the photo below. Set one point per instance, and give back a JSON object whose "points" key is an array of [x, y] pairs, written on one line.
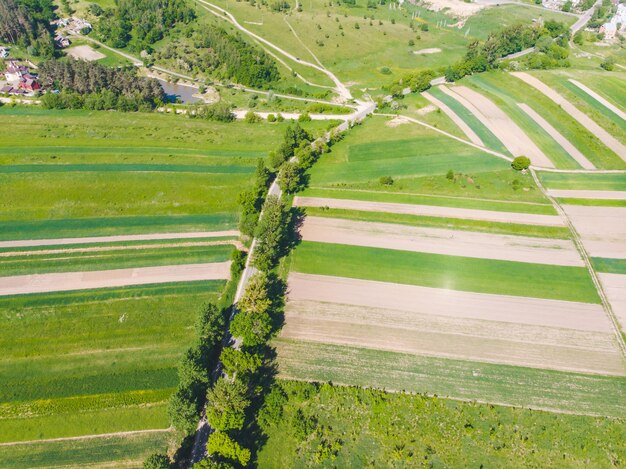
{"points": [[470, 273]]}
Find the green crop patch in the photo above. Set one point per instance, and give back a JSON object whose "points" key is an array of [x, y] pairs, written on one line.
{"points": [[584, 181], [449, 272], [609, 266], [123, 168], [592, 202], [502, 384]]}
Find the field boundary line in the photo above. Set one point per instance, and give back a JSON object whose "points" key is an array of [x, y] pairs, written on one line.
{"points": [[465, 128], [608, 309], [87, 437]]}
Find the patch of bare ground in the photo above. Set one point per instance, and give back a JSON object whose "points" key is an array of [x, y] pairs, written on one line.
{"points": [[460, 123], [430, 50], [425, 110], [68, 281], [587, 194], [558, 137], [86, 53], [601, 229], [456, 7], [500, 124], [441, 241], [611, 142], [432, 335], [397, 121], [614, 286], [431, 211]]}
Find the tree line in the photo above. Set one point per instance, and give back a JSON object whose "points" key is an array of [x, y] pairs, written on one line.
{"points": [[90, 85], [26, 23]]}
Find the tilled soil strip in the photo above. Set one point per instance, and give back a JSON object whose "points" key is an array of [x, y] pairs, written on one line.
{"points": [[431, 211], [441, 241], [587, 194], [449, 303], [68, 281], [615, 289], [558, 137], [116, 238], [600, 99], [467, 130], [601, 229], [501, 125], [573, 111]]}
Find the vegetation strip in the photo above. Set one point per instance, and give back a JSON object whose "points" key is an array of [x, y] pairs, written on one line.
{"points": [[106, 168]]}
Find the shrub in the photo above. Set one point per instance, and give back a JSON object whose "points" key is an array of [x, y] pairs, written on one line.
{"points": [[271, 118], [608, 64], [221, 444], [386, 180], [304, 117], [385, 70], [252, 117], [157, 461], [450, 175], [520, 163], [424, 26]]}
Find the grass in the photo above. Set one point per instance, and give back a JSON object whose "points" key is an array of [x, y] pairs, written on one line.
{"points": [[609, 266], [615, 182], [449, 223], [106, 260], [448, 272], [503, 384], [593, 202], [128, 450], [506, 90], [427, 199], [402, 430], [489, 139]]}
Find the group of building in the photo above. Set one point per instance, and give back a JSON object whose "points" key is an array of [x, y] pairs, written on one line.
{"points": [[71, 26], [20, 81], [617, 24]]}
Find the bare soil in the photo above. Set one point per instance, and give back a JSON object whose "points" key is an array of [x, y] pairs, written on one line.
{"points": [[86, 53], [602, 229]]}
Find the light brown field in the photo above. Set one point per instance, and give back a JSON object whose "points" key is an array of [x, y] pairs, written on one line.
{"points": [[68, 281], [614, 286], [587, 194], [84, 53], [606, 138], [501, 125], [467, 130], [602, 229], [441, 241], [600, 99], [431, 211], [558, 137]]}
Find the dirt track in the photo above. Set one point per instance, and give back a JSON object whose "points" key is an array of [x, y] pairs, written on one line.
{"points": [[601, 229], [114, 239], [431, 211], [441, 241], [615, 288], [558, 137], [573, 111], [467, 130], [600, 99], [501, 125], [68, 281], [588, 194]]}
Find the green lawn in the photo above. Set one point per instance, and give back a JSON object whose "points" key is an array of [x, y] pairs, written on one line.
{"points": [[450, 223], [371, 427], [503, 384], [598, 182], [129, 451], [116, 259], [449, 272]]}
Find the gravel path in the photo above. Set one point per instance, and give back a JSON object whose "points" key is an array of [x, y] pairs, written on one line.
{"points": [[500, 124], [431, 211], [68, 281], [610, 141], [441, 241], [117, 238], [600, 99], [588, 194], [467, 130], [558, 137]]}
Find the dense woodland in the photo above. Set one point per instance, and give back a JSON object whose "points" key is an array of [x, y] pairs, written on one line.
{"points": [[140, 23], [93, 86], [27, 23]]}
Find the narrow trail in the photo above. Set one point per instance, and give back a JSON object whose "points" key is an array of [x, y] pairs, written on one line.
{"points": [[303, 44], [606, 305]]}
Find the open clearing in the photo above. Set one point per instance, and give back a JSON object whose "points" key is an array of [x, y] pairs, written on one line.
{"points": [[68, 281], [433, 211], [558, 137], [467, 130], [602, 229], [501, 125], [85, 53], [611, 142], [440, 241], [431, 50]]}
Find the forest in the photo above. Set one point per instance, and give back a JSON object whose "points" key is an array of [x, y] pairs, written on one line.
{"points": [[26, 23]]}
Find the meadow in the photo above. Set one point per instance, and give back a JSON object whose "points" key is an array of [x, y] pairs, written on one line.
{"points": [[351, 427], [583, 181], [450, 272]]}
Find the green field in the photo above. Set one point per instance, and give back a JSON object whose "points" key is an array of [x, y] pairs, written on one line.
{"points": [[502, 384], [93, 361], [506, 90], [375, 429], [598, 182], [129, 451], [449, 272], [610, 266]]}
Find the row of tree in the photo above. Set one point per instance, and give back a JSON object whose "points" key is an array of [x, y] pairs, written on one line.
{"points": [[26, 23], [94, 86]]}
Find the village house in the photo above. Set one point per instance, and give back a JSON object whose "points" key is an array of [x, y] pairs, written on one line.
{"points": [[4, 52], [14, 71]]}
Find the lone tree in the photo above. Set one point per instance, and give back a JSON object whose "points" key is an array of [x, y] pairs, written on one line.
{"points": [[520, 163]]}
